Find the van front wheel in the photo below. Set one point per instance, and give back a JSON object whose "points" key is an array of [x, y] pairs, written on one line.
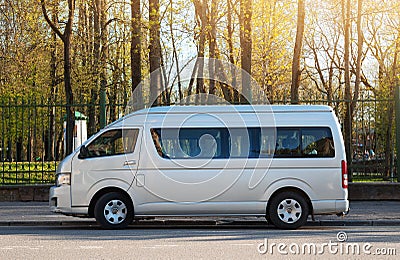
{"points": [[288, 210], [113, 211]]}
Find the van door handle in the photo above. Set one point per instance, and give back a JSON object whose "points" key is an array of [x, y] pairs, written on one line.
{"points": [[130, 162]]}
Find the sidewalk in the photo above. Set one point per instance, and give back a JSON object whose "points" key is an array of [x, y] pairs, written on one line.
{"points": [[362, 213]]}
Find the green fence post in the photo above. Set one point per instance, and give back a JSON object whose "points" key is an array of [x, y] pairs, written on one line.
{"points": [[102, 107], [397, 118]]}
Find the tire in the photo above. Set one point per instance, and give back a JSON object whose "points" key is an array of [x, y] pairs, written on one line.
{"points": [[288, 210], [113, 211]]}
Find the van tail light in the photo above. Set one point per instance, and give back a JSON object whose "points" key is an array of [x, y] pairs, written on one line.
{"points": [[345, 177]]}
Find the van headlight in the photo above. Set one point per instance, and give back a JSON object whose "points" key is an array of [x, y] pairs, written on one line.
{"points": [[63, 178]]}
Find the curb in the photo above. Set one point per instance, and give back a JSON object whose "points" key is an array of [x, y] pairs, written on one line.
{"points": [[46, 223], [205, 224]]}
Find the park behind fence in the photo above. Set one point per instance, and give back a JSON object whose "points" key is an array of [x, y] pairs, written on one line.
{"points": [[32, 137]]}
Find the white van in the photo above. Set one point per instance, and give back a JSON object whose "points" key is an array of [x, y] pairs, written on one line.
{"points": [[283, 163]]}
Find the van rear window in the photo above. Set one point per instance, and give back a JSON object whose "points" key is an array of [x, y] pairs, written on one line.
{"points": [[304, 142], [256, 142]]}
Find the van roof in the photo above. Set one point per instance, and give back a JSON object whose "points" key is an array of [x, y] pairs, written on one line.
{"points": [[234, 108], [225, 109]]}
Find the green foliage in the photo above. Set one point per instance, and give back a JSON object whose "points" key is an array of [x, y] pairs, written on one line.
{"points": [[27, 172]]}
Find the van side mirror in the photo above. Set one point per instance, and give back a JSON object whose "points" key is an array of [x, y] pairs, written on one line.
{"points": [[83, 152]]}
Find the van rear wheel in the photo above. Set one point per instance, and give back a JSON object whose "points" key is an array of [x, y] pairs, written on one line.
{"points": [[288, 210], [113, 211]]}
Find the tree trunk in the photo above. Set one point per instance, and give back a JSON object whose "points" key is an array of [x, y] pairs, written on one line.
{"points": [[66, 38], [246, 49], [212, 39], [136, 49], [296, 71], [391, 114], [154, 52], [53, 94], [191, 82], [175, 55], [68, 93], [94, 93], [347, 124], [360, 40], [234, 93], [201, 13], [113, 94], [103, 59], [67, 80]]}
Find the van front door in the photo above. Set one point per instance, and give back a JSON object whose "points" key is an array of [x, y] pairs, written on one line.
{"points": [[111, 160]]}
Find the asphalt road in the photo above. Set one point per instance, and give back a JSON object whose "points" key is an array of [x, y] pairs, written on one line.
{"points": [[361, 213], [77, 242]]}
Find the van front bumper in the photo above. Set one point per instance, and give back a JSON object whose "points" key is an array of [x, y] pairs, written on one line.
{"points": [[60, 202], [60, 199]]}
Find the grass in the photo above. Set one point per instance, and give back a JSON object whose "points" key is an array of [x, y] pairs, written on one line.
{"points": [[371, 177], [27, 172], [355, 179]]}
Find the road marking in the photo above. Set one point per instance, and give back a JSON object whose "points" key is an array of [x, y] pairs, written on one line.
{"points": [[159, 246], [91, 247], [21, 247]]}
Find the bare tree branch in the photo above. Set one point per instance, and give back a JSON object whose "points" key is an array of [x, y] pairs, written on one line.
{"points": [[52, 25]]}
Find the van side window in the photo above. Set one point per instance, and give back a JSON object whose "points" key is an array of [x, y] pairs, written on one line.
{"points": [[287, 142], [242, 143], [252, 142], [194, 143], [113, 142], [304, 142], [317, 142], [189, 143]]}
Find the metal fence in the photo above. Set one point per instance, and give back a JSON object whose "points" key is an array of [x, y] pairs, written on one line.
{"points": [[32, 138], [373, 137]]}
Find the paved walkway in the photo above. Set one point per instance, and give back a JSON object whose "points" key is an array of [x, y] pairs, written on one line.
{"points": [[368, 213]]}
